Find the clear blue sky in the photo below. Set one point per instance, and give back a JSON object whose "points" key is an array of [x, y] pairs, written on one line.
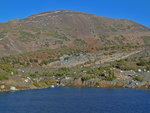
{"points": [[136, 10]]}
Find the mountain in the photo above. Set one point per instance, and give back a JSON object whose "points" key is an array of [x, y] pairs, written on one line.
{"points": [[67, 48], [57, 29]]}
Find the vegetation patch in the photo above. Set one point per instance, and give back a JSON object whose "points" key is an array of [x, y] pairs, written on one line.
{"points": [[4, 76], [58, 36], [138, 78], [146, 39], [3, 34], [8, 68], [80, 43], [26, 36], [88, 77]]}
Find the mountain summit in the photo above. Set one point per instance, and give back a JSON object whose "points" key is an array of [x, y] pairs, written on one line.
{"points": [[69, 28]]}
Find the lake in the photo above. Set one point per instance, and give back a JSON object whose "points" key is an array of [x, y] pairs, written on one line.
{"points": [[76, 100]]}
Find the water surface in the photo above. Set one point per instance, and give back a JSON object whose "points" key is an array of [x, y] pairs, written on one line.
{"points": [[76, 100]]}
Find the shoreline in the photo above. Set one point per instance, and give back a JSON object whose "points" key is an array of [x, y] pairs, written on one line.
{"points": [[75, 86]]}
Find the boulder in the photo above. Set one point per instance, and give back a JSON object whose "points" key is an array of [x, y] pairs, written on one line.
{"points": [[13, 88], [2, 86]]}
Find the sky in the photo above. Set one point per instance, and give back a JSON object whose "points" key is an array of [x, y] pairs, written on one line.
{"points": [[135, 10]]}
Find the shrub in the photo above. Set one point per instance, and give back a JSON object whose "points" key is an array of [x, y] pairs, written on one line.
{"points": [[141, 63], [44, 62], [139, 78], [110, 76], [2, 34], [8, 68], [80, 43], [33, 75], [34, 60], [58, 35], [4, 76], [88, 77]]}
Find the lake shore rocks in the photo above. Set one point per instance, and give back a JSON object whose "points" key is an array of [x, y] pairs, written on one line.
{"points": [[124, 79]]}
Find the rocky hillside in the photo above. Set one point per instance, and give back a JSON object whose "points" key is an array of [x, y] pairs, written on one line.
{"points": [[68, 28]]}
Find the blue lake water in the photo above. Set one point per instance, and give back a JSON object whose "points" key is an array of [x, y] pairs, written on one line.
{"points": [[76, 100]]}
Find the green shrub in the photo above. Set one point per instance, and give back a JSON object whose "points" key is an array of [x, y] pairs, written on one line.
{"points": [[141, 63], [33, 60], [80, 43], [3, 34], [88, 77], [34, 75], [146, 39], [58, 35], [4, 76], [110, 76], [113, 30], [139, 78], [8, 68], [44, 62]]}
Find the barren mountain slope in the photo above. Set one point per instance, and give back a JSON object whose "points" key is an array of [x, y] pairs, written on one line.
{"points": [[68, 28]]}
